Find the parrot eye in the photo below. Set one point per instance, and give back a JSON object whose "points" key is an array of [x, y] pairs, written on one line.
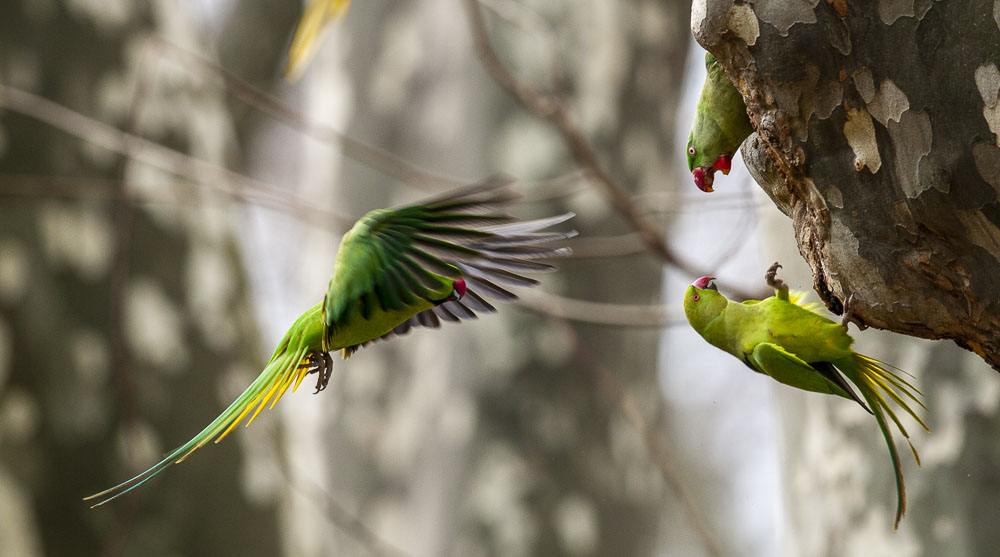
{"points": [[695, 297], [691, 151]]}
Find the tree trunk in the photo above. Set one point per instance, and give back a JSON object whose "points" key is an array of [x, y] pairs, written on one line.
{"points": [[877, 133], [123, 321]]}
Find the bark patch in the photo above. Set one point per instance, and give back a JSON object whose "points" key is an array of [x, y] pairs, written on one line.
{"points": [[860, 134]]}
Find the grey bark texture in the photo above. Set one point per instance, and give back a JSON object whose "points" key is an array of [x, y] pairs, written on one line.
{"points": [[877, 134], [118, 318]]}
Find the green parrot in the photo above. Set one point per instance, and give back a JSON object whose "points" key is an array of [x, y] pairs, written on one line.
{"points": [[395, 269], [720, 126], [797, 346], [317, 15]]}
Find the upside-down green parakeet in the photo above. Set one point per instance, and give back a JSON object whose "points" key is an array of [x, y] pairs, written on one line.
{"points": [[797, 346], [720, 126], [317, 15], [395, 269]]}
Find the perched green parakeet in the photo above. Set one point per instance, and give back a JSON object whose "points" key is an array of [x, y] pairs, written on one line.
{"points": [[317, 15], [720, 126], [797, 346], [395, 269]]}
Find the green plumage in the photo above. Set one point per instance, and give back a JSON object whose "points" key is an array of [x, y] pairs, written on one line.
{"points": [[720, 122], [395, 269], [801, 348]]}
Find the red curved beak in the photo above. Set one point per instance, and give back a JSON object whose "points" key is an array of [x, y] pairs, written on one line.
{"points": [[724, 163], [703, 178], [459, 286], [702, 282]]}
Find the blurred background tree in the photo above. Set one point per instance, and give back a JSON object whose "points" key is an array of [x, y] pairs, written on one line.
{"points": [[168, 206]]}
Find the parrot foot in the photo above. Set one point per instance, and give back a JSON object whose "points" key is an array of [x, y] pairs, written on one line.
{"points": [[771, 277], [848, 315], [321, 363]]}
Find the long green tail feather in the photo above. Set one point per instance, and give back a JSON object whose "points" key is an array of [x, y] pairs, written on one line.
{"points": [[876, 382], [285, 368], [877, 403], [874, 368]]}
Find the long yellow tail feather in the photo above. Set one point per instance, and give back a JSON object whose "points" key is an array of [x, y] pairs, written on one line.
{"points": [[285, 368], [877, 381]]}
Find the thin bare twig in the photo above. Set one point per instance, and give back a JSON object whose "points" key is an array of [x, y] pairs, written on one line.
{"points": [[36, 185], [594, 247], [554, 188], [369, 155], [226, 181], [599, 313], [551, 109], [666, 202], [73, 187], [536, 27], [609, 385], [341, 518], [121, 369]]}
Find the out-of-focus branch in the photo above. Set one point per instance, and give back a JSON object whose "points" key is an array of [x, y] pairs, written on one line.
{"points": [[227, 181], [665, 202], [75, 187], [609, 385], [121, 267], [369, 155], [599, 313], [595, 247], [535, 26], [554, 188], [341, 518], [551, 109]]}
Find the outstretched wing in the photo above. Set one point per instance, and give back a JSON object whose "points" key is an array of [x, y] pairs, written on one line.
{"points": [[393, 266], [785, 367], [403, 260]]}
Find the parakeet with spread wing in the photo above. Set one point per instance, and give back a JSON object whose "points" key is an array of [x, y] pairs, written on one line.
{"points": [[720, 126], [395, 269], [797, 346]]}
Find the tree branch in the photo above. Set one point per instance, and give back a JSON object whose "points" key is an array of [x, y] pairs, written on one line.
{"points": [[340, 517], [551, 109], [158, 156], [611, 388], [369, 155], [598, 313]]}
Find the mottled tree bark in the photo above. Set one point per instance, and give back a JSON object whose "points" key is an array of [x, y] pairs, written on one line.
{"points": [[121, 320], [877, 134]]}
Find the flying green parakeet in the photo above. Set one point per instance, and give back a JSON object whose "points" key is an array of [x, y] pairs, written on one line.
{"points": [[395, 269], [317, 15], [720, 126], [797, 346]]}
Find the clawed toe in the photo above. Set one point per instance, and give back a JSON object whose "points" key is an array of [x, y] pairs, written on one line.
{"points": [[321, 363], [771, 277], [848, 315]]}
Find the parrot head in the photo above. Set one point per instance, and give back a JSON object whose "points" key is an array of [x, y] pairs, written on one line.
{"points": [[704, 176], [703, 303]]}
